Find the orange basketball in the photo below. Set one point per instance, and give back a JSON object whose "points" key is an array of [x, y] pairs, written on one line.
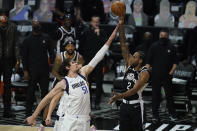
{"points": [[118, 8]]}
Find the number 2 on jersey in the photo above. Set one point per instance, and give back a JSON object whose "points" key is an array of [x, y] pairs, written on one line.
{"points": [[128, 85], [84, 88]]}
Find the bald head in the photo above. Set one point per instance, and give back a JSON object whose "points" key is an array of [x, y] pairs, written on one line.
{"points": [[148, 35]]}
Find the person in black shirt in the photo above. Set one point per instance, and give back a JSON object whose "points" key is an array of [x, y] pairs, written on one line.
{"points": [[35, 50], [135, 80], [90, 8], [162, 58], [192, 46], [9, 56], [66, 6], [91, 41], [147, 41], [64, 33]]}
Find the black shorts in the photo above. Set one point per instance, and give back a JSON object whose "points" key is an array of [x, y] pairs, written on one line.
{"points": [[130, 117]]}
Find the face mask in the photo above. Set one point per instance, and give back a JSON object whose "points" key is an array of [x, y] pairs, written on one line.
{"points": [[163, 41], [147, 41], [36, 29]]}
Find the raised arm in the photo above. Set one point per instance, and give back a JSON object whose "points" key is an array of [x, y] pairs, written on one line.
{"points": [[86, 70], [124, 48], [58, 88]]}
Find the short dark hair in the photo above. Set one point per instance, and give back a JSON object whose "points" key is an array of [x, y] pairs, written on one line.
{"points": [[63, 71], [70, 42], [164, 30], [95, 16], [4, 12], [141, 55]]}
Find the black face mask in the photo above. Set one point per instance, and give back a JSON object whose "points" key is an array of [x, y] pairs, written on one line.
{"points": [[163, 41], [36, 29], [147, 42]]}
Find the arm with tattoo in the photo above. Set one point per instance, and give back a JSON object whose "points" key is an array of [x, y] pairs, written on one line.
{"points": [[124, 48]]}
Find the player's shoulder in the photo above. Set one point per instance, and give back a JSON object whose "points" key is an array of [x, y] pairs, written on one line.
{"points": [[145, 69]]}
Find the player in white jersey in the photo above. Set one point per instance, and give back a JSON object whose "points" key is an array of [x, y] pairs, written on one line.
{"points": [[75, 117], [69, 53]]}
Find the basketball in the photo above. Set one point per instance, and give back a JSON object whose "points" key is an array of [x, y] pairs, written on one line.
{"points": [[118, 8]]}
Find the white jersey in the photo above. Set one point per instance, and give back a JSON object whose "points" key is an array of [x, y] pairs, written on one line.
{"points": [[76, 98]]}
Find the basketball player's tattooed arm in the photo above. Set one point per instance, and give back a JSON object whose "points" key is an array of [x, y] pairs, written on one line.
{"points": [[86, 70], [125, 51], [52, 106], [143, 79], [60, 86], [56, 67]]}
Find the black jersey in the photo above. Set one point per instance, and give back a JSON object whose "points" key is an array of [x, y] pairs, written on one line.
{"points": [[75, 58], [130, 78], [65, 37]]}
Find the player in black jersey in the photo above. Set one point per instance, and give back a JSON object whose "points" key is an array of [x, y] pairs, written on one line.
{"points": [[135, 80]]}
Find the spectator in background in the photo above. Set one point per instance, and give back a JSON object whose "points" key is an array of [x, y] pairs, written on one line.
{"points": [[69, 53], [90, 8], [111, 19], [9, 56], [20, 11], [107, 6], [192, 46], [66, 7], [141, 19], [146, 44], [162, 58], [189, 19], [65, 33], [91, 41], [44, 13], [164, 18], [128, 5], [35, 50]]}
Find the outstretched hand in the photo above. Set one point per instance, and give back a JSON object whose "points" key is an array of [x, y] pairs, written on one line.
{"points": [[113, 35], [115, 31], [30, 120], [114, 98], [48, 121]]}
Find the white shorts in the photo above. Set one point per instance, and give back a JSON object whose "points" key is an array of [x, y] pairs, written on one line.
{"points": [[73, 123], [58, 124]]}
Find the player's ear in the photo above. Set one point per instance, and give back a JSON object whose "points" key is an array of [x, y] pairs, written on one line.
{"points": [[141, 61], [67, 67]]}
